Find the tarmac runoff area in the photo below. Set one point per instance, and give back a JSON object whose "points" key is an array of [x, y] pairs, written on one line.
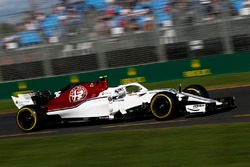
{"points": [[8, 128]]}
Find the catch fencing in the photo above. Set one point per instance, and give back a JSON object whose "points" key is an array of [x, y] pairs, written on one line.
{"points": [[86, 51]]}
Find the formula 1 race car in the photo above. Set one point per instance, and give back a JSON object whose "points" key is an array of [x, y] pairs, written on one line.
{"points": [[95, 100]]}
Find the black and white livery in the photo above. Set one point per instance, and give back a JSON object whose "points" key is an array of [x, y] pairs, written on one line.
{"points": [[168, 102]]}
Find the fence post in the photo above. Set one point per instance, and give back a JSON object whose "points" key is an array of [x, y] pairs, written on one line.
{"points": [[225, 31], [101, 56], [160, 46], [47, 62]]}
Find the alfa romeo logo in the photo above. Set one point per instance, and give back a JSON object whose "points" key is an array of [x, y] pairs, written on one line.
{"points": [[78, 93]]}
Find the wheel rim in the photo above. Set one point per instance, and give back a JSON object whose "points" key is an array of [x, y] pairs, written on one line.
{"points": [[193, 91], [161, 106], [26, 119]]}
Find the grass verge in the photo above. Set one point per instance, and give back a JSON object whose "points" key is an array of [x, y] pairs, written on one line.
{"points": [[7, 106], [214, 81], [224, 145]]}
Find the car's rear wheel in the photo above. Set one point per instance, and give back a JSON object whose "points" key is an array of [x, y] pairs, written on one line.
{"points": [[164, 105], [30, 118], [197, 90]]}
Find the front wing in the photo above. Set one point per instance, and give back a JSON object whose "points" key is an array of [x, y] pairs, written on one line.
{"points": [[223, 103]]}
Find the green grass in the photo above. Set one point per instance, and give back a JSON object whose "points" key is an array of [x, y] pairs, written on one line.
{"points": [[207, 81], [224, 145], [7, 106]]}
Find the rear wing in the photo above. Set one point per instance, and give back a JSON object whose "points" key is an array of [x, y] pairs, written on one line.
{"points": [[22, 100]]}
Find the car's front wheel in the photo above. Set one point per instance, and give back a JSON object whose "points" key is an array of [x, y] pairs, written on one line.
{"points": [[164, 105], [30, 118], [197, 90]]}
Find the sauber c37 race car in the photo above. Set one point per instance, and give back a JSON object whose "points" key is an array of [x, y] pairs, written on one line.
{"points": [[88, 101]]}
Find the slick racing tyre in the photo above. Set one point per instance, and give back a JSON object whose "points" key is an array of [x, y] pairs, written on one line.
{"points": [[197, 90], [30, 118], [164, 105]]}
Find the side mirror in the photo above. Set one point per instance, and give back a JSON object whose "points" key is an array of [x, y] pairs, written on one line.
{"points": [[180, 88]]}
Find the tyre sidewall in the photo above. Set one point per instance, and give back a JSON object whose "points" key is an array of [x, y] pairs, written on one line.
{"points": [[197, 90], [172, 99], [38, 115]]}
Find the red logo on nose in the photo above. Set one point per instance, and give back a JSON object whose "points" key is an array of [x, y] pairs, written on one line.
{"points": [[78, 93]]}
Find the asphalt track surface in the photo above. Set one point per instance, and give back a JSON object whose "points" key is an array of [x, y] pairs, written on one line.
{"points": [[8, 128]]}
